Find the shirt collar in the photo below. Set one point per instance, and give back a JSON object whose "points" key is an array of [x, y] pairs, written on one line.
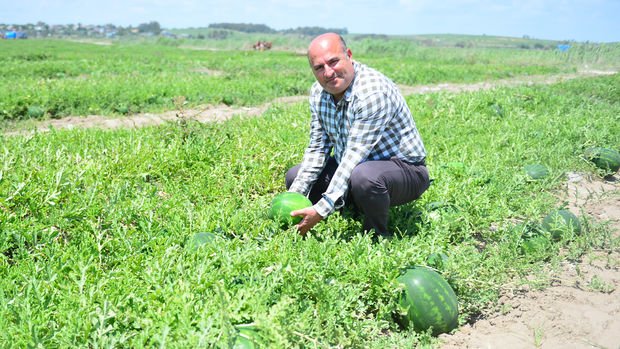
{"points": [[349, 91]]}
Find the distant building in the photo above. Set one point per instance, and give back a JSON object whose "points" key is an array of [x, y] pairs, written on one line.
{"points": [[563, 47], [168, 34], [15, 35]]}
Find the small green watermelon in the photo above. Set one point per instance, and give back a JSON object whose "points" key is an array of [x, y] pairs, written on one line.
{"points": [[284, 203], [536, 171], [35, 112], [606, 159], [527, 229], [200, 239], [243, 343], [428, 301], [559, 222], [248, 337]]}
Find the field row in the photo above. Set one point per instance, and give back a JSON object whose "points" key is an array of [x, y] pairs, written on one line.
{"points": [[55, 78]]}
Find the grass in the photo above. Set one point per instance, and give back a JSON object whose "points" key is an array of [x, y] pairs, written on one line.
{"points": [[56, 78], [539, 335], [97, 226]]}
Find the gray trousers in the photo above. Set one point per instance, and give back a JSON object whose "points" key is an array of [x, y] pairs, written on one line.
{"points": [[374, 187]]}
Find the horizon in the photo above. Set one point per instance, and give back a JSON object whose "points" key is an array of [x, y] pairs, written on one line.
{"points": [[565, 20], [135, 25]]}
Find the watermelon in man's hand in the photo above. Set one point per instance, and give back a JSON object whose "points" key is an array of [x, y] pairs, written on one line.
{"points": [[284, 203]]}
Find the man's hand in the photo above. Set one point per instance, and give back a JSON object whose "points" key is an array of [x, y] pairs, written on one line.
{"points": [[309, 219]]}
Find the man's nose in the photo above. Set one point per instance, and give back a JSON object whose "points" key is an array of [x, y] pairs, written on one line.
{"points": [[328, 71]]}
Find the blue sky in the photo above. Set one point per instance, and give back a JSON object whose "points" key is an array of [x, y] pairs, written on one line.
{"points": [[581, 20]]}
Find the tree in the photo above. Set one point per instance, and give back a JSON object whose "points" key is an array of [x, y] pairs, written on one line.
{"points": [[243, 27], [313, 31], [151, 27]]}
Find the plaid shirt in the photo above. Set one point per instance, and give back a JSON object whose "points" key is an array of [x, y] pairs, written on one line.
{"points": [[371, 122]]}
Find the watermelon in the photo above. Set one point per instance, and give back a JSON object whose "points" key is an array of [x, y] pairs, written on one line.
{"points": [[428, 301], [200, 239], [455, 168], [535, 245], [35, 112], [284, 203], [527, 229], [606, 159], [559, 222], [455, 165], [247, 337], [242, 342], [536, 171]]}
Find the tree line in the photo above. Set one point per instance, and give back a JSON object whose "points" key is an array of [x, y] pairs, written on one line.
{"points": [[262, 28], [218, 30]]}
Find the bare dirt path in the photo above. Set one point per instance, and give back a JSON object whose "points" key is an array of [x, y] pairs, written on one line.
{"points": [[211, 113], [582, 307]]}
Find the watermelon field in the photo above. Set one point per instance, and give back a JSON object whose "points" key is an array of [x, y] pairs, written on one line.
{"points": [[159, 236]]}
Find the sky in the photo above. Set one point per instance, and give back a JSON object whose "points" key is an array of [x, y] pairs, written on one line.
{"points": [[579, 20]]}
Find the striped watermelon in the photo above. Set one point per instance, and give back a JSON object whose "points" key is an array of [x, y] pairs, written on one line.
{"points": [[536, 171], [202, 238], [428, 300], [242, 342], [284, 203], [247, 337], [604, 158], [559, 222]]}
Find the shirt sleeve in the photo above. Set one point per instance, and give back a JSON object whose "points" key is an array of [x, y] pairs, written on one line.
{"points": [[370, 118], [315, 156]]}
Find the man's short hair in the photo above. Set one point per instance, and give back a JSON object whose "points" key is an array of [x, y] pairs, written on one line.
{"points": [[343, 44]]}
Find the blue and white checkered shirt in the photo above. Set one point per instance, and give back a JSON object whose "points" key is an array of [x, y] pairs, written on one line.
{"points": [[371, 122]]}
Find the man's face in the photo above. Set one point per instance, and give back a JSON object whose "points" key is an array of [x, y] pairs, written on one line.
{"points": [[332, 66]]}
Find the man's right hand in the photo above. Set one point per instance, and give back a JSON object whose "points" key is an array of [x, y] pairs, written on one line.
{"points": [[309, 219]]}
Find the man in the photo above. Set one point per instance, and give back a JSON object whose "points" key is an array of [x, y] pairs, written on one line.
{"points": [[364, 145]]}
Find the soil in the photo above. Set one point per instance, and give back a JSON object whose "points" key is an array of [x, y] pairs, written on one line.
{"points": [[581, 308]]}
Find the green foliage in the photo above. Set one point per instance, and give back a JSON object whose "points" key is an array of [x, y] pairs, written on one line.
{"points": [[158, 236], [82, 79], [537, 246], [437, 260], [68, 78]]}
